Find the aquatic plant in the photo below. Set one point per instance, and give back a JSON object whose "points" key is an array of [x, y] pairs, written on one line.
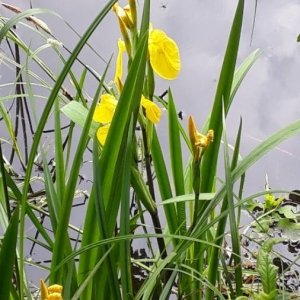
{"points": [[118, 128]]}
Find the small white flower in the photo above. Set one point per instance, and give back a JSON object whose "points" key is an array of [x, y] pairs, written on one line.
{"points": [[54, 42]]}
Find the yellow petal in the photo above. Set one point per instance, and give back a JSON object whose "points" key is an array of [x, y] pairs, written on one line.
{"points": [[193, 136], [55, 288], [210, 136], [201, 140], [105, 110], [198, 140], [119, 66], [150, 27], [55, 296], [102, 134], [44, 290], [164, 55], [123, 16], [153, 112], [128, 11]]}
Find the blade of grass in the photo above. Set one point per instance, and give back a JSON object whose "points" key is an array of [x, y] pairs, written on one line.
{"points": [[18, 195], [235, 240], [62, 234], [209, 163], [256, 154], [4, 198], [125, 254], [112, 154], [112, 277], [148, 286], [242, 71], [164, 184], [129, 102], [45, 115], [182, 131], [53, 203], [59, 156], [176, 160], [219, 236], [8, 254], [17, 18]]}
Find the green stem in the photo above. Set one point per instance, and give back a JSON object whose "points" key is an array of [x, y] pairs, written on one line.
{"points": [[154, 216]]}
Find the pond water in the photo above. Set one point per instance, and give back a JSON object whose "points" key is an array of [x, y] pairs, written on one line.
{"points": [[269, 96], [267, 100]]}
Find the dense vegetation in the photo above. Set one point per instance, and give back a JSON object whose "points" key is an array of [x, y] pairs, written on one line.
{"points": [[196, 249]]}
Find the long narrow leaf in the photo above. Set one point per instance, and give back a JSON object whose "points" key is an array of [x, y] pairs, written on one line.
{"points": [[44, 119], [176, 160], [209, 163], [28, 13], [8, 254], [112, 277], [62, 234], [235, 240], [164, 184], [125, 255]]}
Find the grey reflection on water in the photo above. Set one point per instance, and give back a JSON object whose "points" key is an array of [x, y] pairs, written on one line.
{"points": [[268, 98]]}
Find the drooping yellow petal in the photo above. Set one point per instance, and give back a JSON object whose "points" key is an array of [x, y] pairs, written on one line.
{"points": [[119, 66], [153, 112], [102, 134], [105, 110], [164, 55], [44, 290]]}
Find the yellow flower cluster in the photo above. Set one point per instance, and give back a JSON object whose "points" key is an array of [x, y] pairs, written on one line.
{"points": [[53, 292], [163, 56], [199, 141], [105, 110], [163, 51]]}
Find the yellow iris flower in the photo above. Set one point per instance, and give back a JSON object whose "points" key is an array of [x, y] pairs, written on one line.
{"points": [[104, 112], [199, 141], [163, 51], [153, 112], [102, 134], [105, 109], [53, 292], [164, 55]]}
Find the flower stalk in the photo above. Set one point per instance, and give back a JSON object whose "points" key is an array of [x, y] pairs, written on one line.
{"points": [[199, 144]]}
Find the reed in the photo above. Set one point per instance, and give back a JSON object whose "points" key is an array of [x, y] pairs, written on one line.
{"points": [[181, 213]]}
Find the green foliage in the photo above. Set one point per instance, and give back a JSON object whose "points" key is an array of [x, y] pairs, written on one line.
{"points": [[265, 267], [271, 202], [8, 254], [188, 232]]}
